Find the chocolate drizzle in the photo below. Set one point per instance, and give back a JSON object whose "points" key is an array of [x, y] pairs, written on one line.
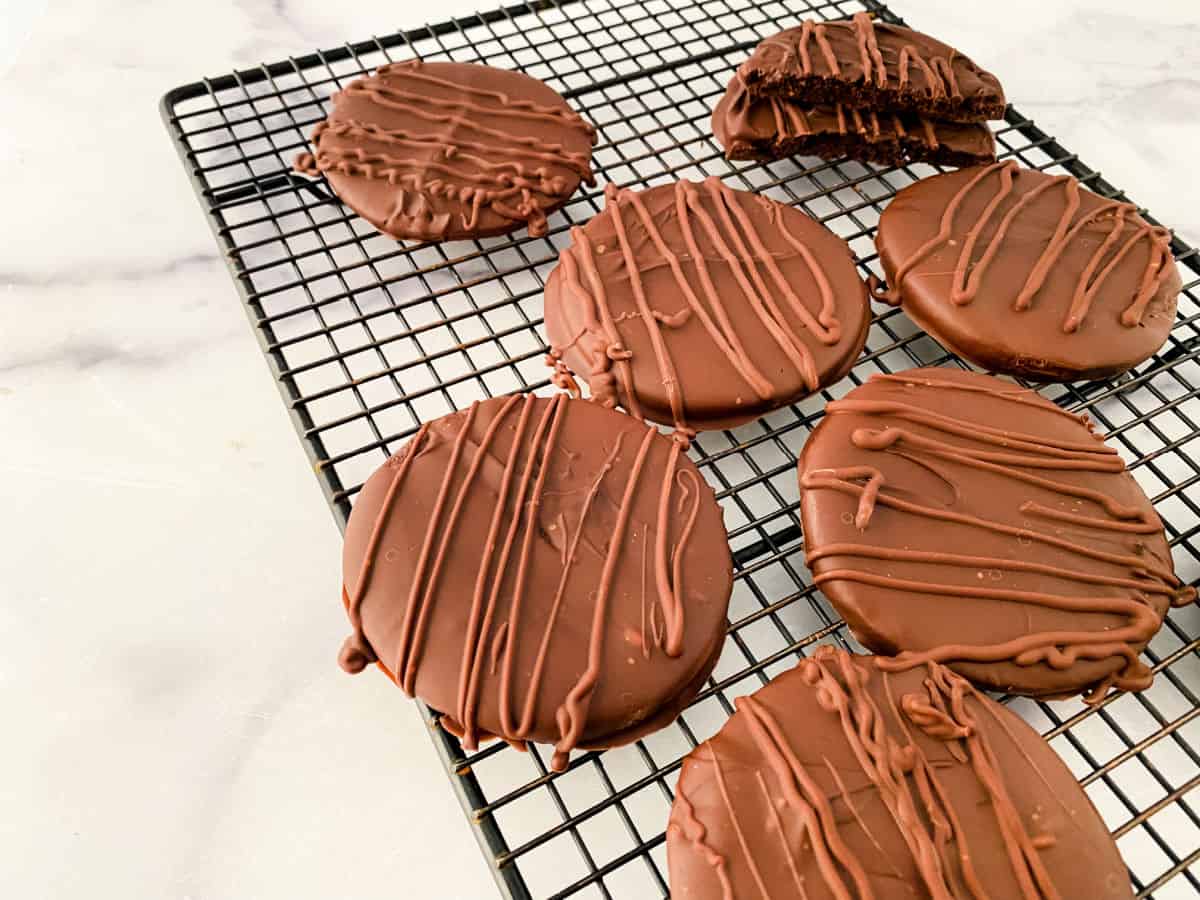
{"points": [[1041, 515], [736, 267], [970, 272], [526, 642], [435, 150], [863, 62], [840, 780], [356, 654], [1013, 240], [773, 127]]}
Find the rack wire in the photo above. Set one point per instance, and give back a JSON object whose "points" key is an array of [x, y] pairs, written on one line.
{"points": [[367, 338]]}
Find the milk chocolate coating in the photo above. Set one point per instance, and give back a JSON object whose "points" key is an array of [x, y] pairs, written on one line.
{"points": [[442, 150], [537, 569], [1028, 273], [702, 306], [954, 517], [776, 127], [838, 780], [863, 63]]}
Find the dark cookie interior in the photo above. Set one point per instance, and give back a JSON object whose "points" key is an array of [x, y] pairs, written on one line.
{"points": [[867, 64], [776, 127]]}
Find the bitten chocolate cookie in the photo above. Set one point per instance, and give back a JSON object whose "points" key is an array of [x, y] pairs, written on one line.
{"points": [[863, 63], [442, 150], [1028, 273], [702, 306], [539, 569], [838, 780], [954, 517], [777, 127]]}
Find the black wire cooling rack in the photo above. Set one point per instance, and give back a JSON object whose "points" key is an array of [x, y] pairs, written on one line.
{"points": [[368, 337]]}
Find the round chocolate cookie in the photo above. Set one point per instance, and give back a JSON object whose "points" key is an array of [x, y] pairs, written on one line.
{"points": [[1029, 273], [840, 780], [702, 306], [445, 150], [954, 517], [539, 569]]}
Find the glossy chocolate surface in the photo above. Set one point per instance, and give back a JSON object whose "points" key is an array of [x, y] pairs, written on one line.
{"points": [[442, 150], [955, 517], [775, 127], [1027, 273], [839, 780], [702, 306], [539, 569]]}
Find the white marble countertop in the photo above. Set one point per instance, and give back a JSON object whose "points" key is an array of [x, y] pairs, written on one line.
{"points": [[175, 723]]}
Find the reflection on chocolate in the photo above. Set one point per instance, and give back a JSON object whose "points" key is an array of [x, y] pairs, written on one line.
{"points": [[954, 517], [441, 150], [839, 780], [543, 570], [1029, 273], [701, 306]]}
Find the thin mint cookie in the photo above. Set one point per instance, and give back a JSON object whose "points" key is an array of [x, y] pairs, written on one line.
{"points": [[441, 150]]}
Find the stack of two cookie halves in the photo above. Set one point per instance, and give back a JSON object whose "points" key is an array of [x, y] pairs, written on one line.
{"points": [[860, 88]]}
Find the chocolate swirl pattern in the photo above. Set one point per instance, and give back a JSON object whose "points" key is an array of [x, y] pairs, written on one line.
{"points": [[842, 780], [540, 570], [954, 518], [701, 306], [774, 127], [440, 150], [1029, 273], [864, 63]]}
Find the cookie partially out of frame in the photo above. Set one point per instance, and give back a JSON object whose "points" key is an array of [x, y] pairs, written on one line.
{"points": [[539, 570], [955, 517], [702, 306], [445, 150], [776, 127], [863, 63], [842, 780], [1028, 273]]}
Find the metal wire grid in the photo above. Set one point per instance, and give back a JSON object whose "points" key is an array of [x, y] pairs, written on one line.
{"points": [[367, 338]]}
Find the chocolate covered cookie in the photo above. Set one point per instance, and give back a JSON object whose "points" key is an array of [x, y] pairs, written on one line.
{"points": [[867, 64], [703, 307], [957, 518], [1028, 273], [445, 150], [776, 127], [841, 780], [539, 569]]}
